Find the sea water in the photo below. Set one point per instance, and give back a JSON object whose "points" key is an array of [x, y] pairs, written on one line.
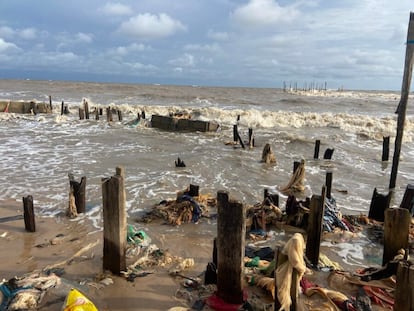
{"points": [[39, 151]]}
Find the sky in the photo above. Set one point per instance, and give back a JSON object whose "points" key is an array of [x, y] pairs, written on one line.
{"points": [[350, 44]]}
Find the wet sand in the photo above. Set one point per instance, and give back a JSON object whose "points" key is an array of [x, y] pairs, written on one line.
{"points": [[58, 238]]}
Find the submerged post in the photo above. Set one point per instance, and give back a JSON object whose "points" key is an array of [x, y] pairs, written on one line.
{"points": [[402, 106], [114, 222], [316, 150], [231, 231], [385, 148]]}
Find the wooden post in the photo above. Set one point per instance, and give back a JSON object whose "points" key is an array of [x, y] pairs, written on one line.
{"points": [[79, 192], [385, 148], [295, 166], [235, 133], [193, 191], [404, 291], [408, 199], [97, 114], [86, 107], [402, 106], [314, 232], [316, 151], [50, 103], [61, 108], [396, 226], [379, 203], [81, 114], [119, 115], [29, 217], [114, 222], [231, 231], [100, 111], [251, 139], [109, 114], [328, 184], [273, 198], [328, 153]]}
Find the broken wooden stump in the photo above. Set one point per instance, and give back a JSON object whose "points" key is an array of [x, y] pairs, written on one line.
{"points": [[114, 222], [328, 153], [231, 231], [79, 192], [316, 150], [396, 230], [29, 216], [179, 163], [315, 227], [385, 148], [379, 203], [267, 155], [404, 291], [408, 199]]}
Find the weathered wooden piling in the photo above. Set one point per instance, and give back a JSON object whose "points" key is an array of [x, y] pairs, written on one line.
{"points": [[328, 153], [316, 150], [385, 148], [193, 190], [81, 114], [114, 222], [404, 291], [408, 199], [396, 229], [251, 138], [267, 155], [314, 232], [97, 114], [119, 115], [50, 103], [79, 191], [86, 108], [231, 231], [379, 203], [402, 106], [109, 114], [62, 108], [295, 165], [28, 214], [328, 184]]}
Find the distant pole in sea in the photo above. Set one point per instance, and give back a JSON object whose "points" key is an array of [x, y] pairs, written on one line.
{"points": [[402, 106]]}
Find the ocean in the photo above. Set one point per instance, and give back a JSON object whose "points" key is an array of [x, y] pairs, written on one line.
{"points": [[39, 151]]}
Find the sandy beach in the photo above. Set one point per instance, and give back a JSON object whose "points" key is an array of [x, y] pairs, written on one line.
{"points": [[58, 239], [73, 248]]}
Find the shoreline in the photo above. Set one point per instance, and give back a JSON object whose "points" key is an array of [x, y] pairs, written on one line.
{"points": [[57, 239]]}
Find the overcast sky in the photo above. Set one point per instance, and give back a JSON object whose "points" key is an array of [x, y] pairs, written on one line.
{"points": [[357, 44]]}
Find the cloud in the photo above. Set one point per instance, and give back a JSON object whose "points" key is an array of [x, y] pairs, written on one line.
{"points": [[6, 47], [262, 13], [28, 33], [83, 37], [116, 9], [186, 60], [218, 36], [202, 47], [132, 48], [149, 26], [25, 33]]}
